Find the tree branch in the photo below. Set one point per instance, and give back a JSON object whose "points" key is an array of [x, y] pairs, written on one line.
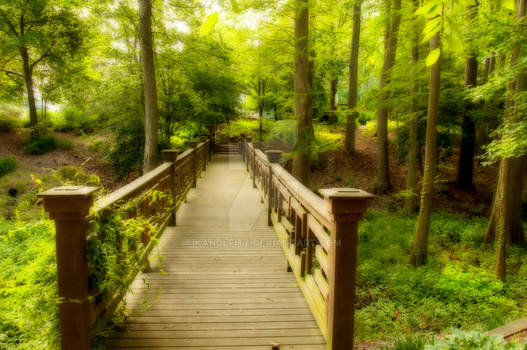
{"points": [[6, 19], [6, 71]]}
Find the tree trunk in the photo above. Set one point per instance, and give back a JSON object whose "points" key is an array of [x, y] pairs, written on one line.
{"points": [[411, 179], [303, 94], [419, 252], [149, 84], [28, 77], [468, 128], [332, 107], [382, 182], [506, 207], [353, 79], [500, 223], [261, 93]]}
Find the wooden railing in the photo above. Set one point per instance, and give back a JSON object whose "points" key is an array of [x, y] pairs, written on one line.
{"points": [[80, 222], [319, 239]]}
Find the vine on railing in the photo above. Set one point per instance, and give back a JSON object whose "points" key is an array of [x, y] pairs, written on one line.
{"points": [[102, 246]]}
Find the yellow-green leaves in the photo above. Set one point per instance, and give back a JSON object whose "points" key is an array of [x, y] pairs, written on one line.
{"points": [[431, 28], [209, 24], [454, 43], [509, 5], [433, 56], [235, 6]]}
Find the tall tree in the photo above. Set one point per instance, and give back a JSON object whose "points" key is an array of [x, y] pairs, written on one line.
{"points": [[382, 181], [33, 33], [149, 84], [411, 179], [468, 128], [353, 79], [419, 251], [334, 83], [507, 220], [303, 93]]}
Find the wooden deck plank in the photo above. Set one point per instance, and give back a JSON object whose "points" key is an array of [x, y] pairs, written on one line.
{"points": [[218, 278]]}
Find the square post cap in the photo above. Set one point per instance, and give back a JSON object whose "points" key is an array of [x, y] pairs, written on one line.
{"points": [[68, 202], [170, 155], [274, 156], [346, 201]]}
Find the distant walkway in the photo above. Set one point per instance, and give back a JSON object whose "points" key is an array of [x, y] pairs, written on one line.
{"points": [[219, 277]]}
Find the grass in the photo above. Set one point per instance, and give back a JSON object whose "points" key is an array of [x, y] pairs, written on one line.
{"points": [[457, 289], [28, 306], [7, 165]]}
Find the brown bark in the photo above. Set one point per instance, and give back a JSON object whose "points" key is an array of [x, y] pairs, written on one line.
{"points": [[149, 84], [303, 94], [419, 252], [28, 78], [468, 128], [332, 97], [500, 223], [506, 208], [411, 179], [353, 79], [382, 181]]}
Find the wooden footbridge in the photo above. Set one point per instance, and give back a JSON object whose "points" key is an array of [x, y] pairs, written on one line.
{"points": [[237, 254]]}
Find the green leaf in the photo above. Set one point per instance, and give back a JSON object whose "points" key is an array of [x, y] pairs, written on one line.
{"points": [[509, 5], [456, 29], [235, 6], [432, 57], [209, 24], [432, 26], [454, 43]]}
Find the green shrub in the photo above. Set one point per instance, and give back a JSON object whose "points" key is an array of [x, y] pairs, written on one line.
{"points": [[7, 165], [8, 122], [410, 342], [41, 144], [65, 144], [78, 121], [473, 341]]}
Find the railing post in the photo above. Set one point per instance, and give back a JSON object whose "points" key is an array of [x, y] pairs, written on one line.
{"points": [[274, 157], [204, 139], [170, 155], [347, 207], [194, 145], [247, 153], [69, 207], [253, 165]]}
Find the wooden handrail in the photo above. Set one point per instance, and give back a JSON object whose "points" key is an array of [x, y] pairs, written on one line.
{"points": [[73, 209], [312, 227], [103, 206]]}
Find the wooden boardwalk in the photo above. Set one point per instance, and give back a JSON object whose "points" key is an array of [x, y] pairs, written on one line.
{"points": [[218, 278]]}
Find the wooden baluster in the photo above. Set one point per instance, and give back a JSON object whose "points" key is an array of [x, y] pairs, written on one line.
{"points": [[170, 155], [195, 167], [253, 165], [69, 206], [310, 246], [274, 157], [205, 152], [347, 207]]}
